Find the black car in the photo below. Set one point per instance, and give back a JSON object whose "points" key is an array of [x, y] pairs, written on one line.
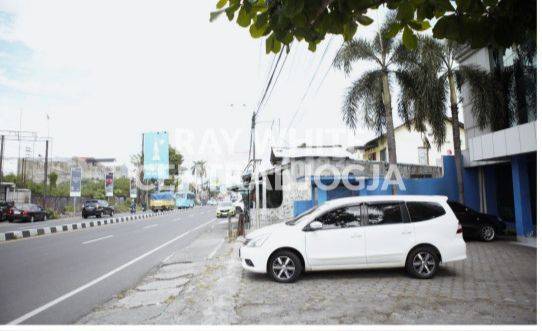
{"points": [[477, 225], [97, 208], [26, 212], [4, 210]]}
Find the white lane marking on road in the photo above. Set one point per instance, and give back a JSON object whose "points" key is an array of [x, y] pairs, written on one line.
{"points": [[150, 226], [97, 239], [102, 277], [210, 256]]}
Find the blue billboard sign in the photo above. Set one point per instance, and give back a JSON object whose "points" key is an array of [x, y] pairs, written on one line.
{"points": [[155, 155]]}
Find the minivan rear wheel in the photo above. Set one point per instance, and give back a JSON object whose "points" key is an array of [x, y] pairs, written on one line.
{"points": [[284, 266], [423, 262]]}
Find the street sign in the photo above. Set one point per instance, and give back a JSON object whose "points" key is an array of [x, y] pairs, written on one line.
{"points": [[109, 184], [133, 189], [156, 155], [75, 182]]}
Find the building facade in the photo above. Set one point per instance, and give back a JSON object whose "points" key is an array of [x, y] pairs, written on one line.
{"points": [[412, 147], [32, 169], [503, 159]]}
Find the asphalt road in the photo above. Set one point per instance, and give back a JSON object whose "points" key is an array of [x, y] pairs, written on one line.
{"points": [[5, 226], [56, 279]]}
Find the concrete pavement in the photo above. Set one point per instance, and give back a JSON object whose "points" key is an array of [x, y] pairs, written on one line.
{"points": [[57, 279]]}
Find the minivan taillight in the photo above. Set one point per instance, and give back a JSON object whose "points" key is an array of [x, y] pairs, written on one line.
{"points": [[459, 229]]}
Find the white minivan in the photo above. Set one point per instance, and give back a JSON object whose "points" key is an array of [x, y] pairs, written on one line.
{"points": [[415, 232]]}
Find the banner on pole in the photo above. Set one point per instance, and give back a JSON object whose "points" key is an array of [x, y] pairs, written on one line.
{"points": [[109, 184], [133, 189], [156, 155], [75, 182]]}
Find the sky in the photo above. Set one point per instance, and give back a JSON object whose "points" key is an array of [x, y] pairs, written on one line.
{"points": [[104, 72]]}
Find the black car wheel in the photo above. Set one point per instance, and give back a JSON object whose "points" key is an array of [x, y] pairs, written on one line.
{"points": [[422, 262], [284, 267], [99, 215], [487, 233]]}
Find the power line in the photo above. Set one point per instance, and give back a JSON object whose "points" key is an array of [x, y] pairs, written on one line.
{"points": [[269, 81], [309, 86], [275, 82]]}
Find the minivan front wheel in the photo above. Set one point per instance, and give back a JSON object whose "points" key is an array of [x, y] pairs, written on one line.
{"points": [[284, 267], [422, 262]]}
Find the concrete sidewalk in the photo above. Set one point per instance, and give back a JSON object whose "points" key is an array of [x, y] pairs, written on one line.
{"points": [[495, 285], [196, 285]]}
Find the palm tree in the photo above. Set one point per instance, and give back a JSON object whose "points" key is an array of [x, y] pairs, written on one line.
{"points": [[370, 94], [199, 170], [436, 78]]}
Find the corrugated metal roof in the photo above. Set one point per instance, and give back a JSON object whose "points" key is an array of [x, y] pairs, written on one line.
{"points": [[335, 151]]}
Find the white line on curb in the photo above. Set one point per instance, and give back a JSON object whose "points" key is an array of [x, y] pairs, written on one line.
{"points": [[102, 277], [97, 239]]}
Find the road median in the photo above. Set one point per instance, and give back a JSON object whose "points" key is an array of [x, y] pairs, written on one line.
{"points": [[39, 231]]}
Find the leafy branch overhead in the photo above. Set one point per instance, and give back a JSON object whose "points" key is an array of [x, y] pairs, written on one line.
{"points": [[478, 23]]}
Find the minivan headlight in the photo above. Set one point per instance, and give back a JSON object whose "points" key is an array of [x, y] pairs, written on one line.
{"points": [[257, 241]]}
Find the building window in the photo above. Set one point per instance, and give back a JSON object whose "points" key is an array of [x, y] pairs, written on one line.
{"points": [[383, 155], [423, 156]]}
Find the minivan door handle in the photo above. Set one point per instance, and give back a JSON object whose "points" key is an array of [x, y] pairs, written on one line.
{"points": [[406, 232], [356, 236]]}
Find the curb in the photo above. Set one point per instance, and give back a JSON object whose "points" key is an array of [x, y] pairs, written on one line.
{"points": [[13, 235]]}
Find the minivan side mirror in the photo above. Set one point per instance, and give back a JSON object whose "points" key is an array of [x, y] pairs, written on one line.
{"points": [[316, 225]]}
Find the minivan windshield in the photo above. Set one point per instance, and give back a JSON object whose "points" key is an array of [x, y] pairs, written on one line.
{"points": [[296, 219]]}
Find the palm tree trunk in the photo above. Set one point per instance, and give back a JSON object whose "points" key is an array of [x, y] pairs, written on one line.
{"points": [[456, 137], [390, 130]]}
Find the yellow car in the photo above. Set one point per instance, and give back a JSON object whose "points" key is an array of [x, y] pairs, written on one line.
{"points": [[225, 209]]}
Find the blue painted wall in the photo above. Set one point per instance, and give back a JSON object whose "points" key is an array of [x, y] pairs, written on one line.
{"points": [[302, 205], [446, 185]]}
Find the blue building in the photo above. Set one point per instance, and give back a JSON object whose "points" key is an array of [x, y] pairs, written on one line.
{"points": [[504, 160]]}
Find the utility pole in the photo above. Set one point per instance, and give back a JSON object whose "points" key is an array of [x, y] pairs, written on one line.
{"points": [[45, 173], [254, 175], [1, 165]]}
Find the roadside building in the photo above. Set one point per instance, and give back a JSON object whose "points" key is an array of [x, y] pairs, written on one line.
{"points": [[412, 147], [291, 180], [505, 159], [32, 169]]}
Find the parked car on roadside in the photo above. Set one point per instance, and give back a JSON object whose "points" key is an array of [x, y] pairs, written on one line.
{"points": [[4, 209], [225, 209], [415, 232], [26, 212], [477, 225], [97, 208]]}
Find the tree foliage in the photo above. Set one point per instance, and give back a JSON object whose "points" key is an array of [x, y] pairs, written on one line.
{"points": [[478, 23]]}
